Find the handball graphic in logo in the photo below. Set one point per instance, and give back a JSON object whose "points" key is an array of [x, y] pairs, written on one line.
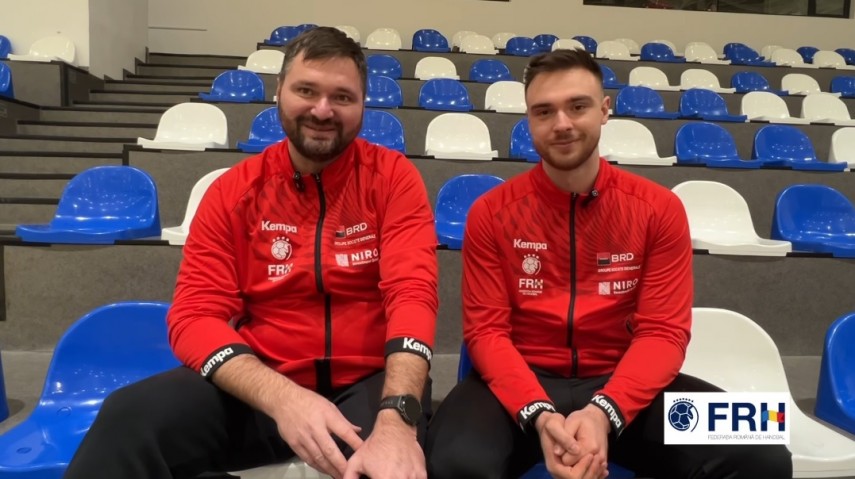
{"points": [[531, 264], [683, 415], [281, 248]]}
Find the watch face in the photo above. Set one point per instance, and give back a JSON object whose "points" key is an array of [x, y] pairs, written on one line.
{"points": [[412, 409]]}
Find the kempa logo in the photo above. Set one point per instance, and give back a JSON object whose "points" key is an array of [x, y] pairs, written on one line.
{"points": [[532, 408], [415, 345], [520, 244], [609, 409], [281, 227], [218, 358]]}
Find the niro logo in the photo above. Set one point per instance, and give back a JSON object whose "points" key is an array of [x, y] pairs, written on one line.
{"points": [[278, 227], [534, 245]]}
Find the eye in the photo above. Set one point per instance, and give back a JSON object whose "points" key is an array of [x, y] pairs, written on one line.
{"points": [[304, 91], [342, 98]]}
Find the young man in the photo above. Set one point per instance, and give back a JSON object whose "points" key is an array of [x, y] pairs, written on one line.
{"points": [[577, 296], [305, 305]]}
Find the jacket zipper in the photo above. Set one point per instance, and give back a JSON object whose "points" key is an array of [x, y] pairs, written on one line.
{"points": [[574, 372], [324, 370]]}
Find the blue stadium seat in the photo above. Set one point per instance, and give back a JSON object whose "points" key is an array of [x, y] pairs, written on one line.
{"points": [[111, 347], [848, 54], [544, 42], [383, 92], [444, 94], [807, 53], [706, 105], [306, 27], [266, 130], [745, 82], [609, 78], [383, 128], [489, 71], [5, 47], [741, 54], [384, 65], [236, 86], [4, 405], [835, 396], [590, 43], [6, 86], [641, 102], [815, 218], [659, 52], [429, 40], [453, 202], [785, 145], [282, 35], [522, 145], [521, 47], [845, 85], [708, 144], [99, 206], [539, 470]]}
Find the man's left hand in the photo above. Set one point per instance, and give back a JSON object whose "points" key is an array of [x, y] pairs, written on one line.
{"points": [[390, 452], [590, 427]]}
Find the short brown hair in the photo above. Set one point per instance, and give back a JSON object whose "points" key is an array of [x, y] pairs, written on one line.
{"points": [[323, 43], [563, 59]]}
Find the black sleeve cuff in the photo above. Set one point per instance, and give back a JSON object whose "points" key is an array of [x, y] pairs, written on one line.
{"points": [[528, 414], [219, 357], [612, 412], [409, 345]]}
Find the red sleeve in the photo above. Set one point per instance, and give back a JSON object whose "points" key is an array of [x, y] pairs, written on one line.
{"points": [[487, 322], [662, 320], [207, 294], [408, 266]]}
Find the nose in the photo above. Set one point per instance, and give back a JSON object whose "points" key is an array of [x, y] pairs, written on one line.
{"points": [[322, 109], [563, 122]]}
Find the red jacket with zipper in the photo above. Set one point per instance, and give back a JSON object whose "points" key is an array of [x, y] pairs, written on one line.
{"points": [[320, 276], [577, 285]]}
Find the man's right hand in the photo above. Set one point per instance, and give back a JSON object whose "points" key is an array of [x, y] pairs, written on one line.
{"points": [[307, 421], [556, 443]]}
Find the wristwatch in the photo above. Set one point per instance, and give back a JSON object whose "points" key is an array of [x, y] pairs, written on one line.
{"points": [[408, 406]]}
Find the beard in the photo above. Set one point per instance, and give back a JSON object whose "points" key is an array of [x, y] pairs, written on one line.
{"points": [[317, 149], [559, 158]]}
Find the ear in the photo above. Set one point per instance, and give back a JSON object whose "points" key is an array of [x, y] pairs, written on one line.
{"points": [[607, 103]]}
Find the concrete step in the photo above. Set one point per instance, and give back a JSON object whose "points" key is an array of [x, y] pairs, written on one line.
{"points": [[55, 144], [103, 115], [121, 106], [31, 186], [24, 163], [156, 86], [15, 211], [155, 97], [182, 71], [94, 130], [226, 61], [171, 80]]}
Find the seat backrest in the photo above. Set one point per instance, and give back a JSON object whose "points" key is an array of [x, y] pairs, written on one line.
{"points": [[351, 32], [838, 361], [5, 47], [383, 92], [435, 67], [740, 51], [267, 127], [193, 123], [110, 347], [265, 61], [787, 56], [489, 71], [568, 44], [651, 77], [763, 103], [457, 133], [621, 137], [383, 128], [544, 41], [749, 81], [479, 44], [456, 196], [715, 210], [828, 59], [505, 95], [196, 195], [521, 46], [638, 99], [444, 93], [238, 85], [668, 43], [501, 39], [522, 145], [766, 51], [848, 54], [724, 344], [844, 85], [304, 27], [6, 86], [630, 44], [696, 51], [842, 146], [284, 34], [56, 46], [457, 38], [383, 39], [107, 194], [704, 140], [700, 101], [609, 78], [799, 82], [811, 210], [807, 53], [428, 39], [612, 50], [656, 51], [818, 106], [384, 65], [589, 42], [783, 142], [698, 78]]}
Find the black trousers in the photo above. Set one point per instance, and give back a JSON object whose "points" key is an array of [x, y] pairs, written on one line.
{"points": [[472, 436], [179, 425]]}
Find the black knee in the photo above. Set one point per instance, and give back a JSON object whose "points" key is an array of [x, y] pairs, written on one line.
{"points": [[747, 462]]}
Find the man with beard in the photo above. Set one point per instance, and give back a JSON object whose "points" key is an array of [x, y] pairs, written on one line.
{"points": [[577, 296], [305, 305]]}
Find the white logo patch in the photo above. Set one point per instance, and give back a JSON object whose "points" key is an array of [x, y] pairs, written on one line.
{"points": [[530, 286], [537, 246], [531, 264], [341, 259], [281, 248], [266, 225], [278, 272], [622, 286]]}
